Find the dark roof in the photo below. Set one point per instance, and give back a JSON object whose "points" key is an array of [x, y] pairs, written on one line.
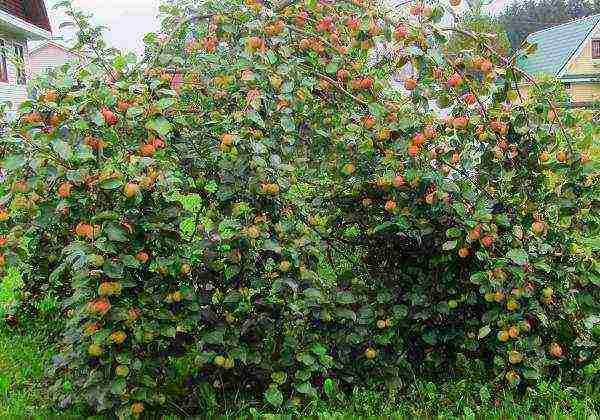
{"points": [[32, 11], [556, 45]]}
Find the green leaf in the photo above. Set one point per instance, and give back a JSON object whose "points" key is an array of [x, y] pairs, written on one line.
{"points": [[319, 349], [119, 62], [115, 233], [111, 184], [97, 118], [307, 359], [13, 162], [531, 374], [331, 68], [118, 387], [271, 57], [288, 124], [191, 202], [345, 298], [430, 338], [449, 245], [279, 377], [484, 332], [305, 388], [288, 87], [346, 314], [476, 278], [453, 233], [130, 261], [214, 337], [459, 208], [134, 111], [382, 226], [401, 311], [112, 269], [63, 149], [165, 103], [377, 110], [255, 118], [168, 332], [543, 266], [273, 396], [450, 186], [160, 125], [313, 294], [232, 297], [231, 271], [105, 215], [328, 387], [518, 256], [188, 226], [484, 393], [503, 220], [82, 125]]}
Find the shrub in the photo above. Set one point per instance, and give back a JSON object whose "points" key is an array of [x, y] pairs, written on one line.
{"points": [[256, 206]]}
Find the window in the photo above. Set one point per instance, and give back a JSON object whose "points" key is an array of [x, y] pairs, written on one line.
{"points": [[595, 48], [3, 70], [20, 54]]}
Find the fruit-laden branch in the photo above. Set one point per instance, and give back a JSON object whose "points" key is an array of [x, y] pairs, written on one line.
{"points": [[511, 64]]}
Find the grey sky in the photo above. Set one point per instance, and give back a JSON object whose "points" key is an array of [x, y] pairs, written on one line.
{"points": [[127, 20]]}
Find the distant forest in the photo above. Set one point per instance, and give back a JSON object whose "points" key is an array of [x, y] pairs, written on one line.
{"points": [[527, 16]]}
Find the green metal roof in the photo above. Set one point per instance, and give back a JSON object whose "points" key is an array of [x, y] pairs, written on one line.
{"points": [[556, 45]]}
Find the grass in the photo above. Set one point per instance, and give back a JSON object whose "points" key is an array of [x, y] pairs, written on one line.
{"points": [[24, 354], [27, 349], [9, 287], [21, 372]]}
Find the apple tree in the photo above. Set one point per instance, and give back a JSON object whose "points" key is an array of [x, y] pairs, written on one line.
{"points": [[259, 204]]}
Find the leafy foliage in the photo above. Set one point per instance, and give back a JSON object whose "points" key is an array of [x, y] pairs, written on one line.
{"points": [[256, 206]]}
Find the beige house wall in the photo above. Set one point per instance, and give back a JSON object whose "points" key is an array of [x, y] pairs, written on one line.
{"points": [[584, 63], [578, 91], [585, 92]]}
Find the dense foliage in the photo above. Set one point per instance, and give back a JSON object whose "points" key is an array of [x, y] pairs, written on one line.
{"points": [[256, 206]]}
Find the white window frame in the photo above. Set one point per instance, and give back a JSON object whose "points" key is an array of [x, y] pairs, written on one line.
{"points": [[596, 41], [21, 78], [3, 62]]}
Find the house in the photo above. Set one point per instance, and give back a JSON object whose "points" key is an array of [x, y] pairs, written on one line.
{"points": [[49, 54], [571, 53], [20, 22]]}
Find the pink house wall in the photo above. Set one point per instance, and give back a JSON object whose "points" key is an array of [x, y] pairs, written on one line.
{"points": [[49, 57]]}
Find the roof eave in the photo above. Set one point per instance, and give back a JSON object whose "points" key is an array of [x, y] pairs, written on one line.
{"points": [[51, 43], [20, 27], [587, 78]]}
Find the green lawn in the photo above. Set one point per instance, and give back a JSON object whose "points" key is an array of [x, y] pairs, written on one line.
{"points": [[22, 358]]}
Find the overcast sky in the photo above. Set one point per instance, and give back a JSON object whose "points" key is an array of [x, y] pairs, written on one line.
{"points": [[128, 20]]}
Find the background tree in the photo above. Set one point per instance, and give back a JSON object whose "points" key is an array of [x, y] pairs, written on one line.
{"points": [[475, 18], [527, 16]]}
